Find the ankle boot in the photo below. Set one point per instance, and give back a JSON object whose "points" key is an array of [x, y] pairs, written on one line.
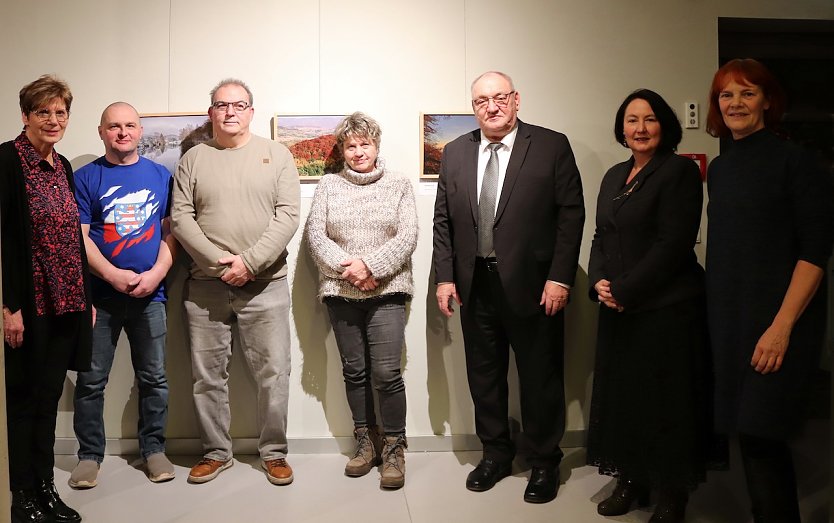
{"points": [[671, 507], [393, 464], [366, 457], [623, 498], [53, 505], [26, 509]]}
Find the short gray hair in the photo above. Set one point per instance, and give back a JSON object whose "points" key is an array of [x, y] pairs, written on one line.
{"points": [[358, 125], [232, 81], [505, 76]]}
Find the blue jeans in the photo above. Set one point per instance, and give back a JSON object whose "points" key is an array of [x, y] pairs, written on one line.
{"points": [[146, 326]]}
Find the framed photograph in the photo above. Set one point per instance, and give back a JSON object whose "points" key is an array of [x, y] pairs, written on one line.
{"points": [[436, 130], [167, 136], [310, 140]]}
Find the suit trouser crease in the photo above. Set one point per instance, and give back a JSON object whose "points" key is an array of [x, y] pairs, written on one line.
{"points": [[260, 310], [145, 324], [370, 335], [490, 328]]}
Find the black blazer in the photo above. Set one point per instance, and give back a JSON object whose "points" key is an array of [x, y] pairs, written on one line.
{"points": [[538, 222], [643, 241]]}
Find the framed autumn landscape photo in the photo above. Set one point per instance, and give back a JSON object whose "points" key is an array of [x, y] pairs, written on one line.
{"points": [[167, 136], [310, 140], [436, 130]]}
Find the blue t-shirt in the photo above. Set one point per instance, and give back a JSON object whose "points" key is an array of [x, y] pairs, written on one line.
{"points": [[124, 206]]}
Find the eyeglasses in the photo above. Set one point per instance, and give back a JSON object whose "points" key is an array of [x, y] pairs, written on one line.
{"points": [[238, 107], [500, 99], [45, 114]]}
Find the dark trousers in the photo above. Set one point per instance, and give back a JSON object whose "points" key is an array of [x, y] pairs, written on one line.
{"points": [[490, 328], [370, 335], [771, 480], [33, 389]]}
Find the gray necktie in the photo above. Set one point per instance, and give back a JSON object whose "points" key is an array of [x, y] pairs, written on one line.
{"points": [[486, 203]]}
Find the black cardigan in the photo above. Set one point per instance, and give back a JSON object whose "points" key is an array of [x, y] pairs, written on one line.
{"points": [[16, 244]]}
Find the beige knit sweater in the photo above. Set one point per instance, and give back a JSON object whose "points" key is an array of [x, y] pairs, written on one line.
{"points": [[371, 216]]}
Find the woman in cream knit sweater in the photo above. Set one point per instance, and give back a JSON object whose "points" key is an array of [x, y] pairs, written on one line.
{"points": [[362, 230]]}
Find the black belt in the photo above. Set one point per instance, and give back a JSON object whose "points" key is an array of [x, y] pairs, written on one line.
{"points": [[490, 264]]}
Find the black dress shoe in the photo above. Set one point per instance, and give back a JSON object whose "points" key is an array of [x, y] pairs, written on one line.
{"points": [[623, 498], [487, 474], [26, 509], [53, 505], [543, 485]]}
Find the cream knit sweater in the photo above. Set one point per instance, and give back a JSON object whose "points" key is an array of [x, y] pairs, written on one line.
{"points": [[371, 216]]}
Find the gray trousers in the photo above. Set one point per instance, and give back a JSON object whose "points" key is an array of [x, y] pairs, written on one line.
{"points": [[370, 335], [261, 311]]}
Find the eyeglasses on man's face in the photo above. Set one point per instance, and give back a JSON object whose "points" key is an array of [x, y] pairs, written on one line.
{"points": [[500, 99], [45, 115], [238, 106]]}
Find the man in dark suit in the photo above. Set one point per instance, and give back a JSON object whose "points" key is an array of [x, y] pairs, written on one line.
{"points": [[507, 229]]}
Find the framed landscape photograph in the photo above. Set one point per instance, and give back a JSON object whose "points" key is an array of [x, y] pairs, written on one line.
{"points": [[310, 140], [167, 136], [436, 130]]}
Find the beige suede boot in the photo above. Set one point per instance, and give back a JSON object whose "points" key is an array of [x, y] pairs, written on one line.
{"points": [[366, 457], [393, 462]]}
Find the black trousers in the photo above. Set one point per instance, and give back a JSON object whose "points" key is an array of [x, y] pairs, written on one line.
{"points": [[33, 389], [771, 480], [490, 328]]}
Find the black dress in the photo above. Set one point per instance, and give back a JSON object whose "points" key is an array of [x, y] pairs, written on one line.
{"points": [[649, 413], [769, 207]]}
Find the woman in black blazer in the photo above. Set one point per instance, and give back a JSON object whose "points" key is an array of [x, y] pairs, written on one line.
{"points": [[649, 412]]}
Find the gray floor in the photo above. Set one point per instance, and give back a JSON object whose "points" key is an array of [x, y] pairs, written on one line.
{"points": [[434, 492]]}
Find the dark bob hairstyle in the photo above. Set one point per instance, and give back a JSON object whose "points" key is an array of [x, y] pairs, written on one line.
{"points": [[670, 128], [745, 71]]}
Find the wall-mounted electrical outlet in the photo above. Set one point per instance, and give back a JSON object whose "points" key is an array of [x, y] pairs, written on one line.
{"points": [[691, 119]]}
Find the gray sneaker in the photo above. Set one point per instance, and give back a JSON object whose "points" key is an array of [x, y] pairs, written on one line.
{"points": [[393, 462], [84, 474], [366, 457], [159, 468]]}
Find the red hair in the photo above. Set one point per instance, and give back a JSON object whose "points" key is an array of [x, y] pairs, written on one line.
{"points": [[746, 71]]}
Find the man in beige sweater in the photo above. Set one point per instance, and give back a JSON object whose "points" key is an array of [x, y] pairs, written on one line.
{"points": [[235, 209]]}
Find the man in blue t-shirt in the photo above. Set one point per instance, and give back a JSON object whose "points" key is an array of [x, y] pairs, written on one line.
{"points": [[123, 201]]}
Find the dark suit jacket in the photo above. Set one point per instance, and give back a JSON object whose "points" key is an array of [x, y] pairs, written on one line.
{"points": [[538, 222], [643, 242]]}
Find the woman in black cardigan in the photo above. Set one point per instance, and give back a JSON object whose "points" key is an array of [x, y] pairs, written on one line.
{"points": [[47, 315], [649, 409]]}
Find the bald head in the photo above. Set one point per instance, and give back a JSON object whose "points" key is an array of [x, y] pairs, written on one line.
{"points": [[119, 108], [120, 130]]}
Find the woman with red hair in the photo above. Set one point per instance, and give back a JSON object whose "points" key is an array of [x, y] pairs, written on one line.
{"points": [[769, 239]]}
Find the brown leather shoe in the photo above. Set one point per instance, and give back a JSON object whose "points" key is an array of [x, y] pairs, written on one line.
{"points": [[278, 471], [208, 469]]}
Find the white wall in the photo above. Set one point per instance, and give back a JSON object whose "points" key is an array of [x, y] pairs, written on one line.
{"points": [[573, 62]]}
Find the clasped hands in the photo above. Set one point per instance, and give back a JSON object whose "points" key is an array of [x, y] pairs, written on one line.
{"points": [[357, 274], [236, 274], [603, 288]]}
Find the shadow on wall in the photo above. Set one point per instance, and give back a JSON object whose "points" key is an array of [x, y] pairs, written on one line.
{"points": [[580, 344], [444, 353], [312, 327]]}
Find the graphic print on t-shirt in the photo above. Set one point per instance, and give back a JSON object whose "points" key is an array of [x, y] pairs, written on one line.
{"points": [[125, 217]]}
